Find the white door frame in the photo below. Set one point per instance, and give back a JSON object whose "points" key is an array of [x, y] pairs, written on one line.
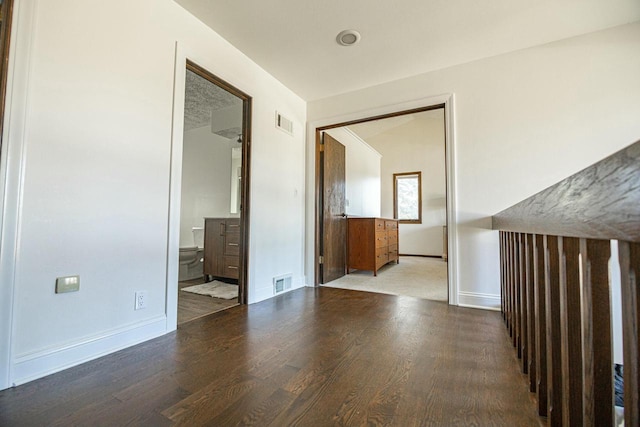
{"points": [[450, 159], [184, 53], [12, 161]]}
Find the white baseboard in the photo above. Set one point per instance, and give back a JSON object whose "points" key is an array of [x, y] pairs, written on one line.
{"points": [[478, 300], [40, 364]]}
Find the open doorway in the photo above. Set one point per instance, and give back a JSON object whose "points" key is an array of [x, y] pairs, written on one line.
{"points": [[213, 193], [395, 178]]}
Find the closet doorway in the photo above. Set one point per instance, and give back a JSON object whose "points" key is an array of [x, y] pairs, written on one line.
{"points": [[213, 196]]}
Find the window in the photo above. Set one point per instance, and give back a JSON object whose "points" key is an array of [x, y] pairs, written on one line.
{"points": [[407, 197]]}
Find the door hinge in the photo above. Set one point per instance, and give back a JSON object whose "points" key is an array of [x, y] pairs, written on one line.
{"points": [[321, 260], [321, 147]]}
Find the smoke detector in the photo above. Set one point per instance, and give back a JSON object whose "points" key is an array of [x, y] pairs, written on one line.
{"points": [[348, 37]]}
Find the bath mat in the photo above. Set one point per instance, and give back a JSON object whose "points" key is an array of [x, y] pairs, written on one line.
{"points": [[214, 289]]}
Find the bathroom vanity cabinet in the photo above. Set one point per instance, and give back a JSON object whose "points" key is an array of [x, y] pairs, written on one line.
{"points": [[222, 247]]}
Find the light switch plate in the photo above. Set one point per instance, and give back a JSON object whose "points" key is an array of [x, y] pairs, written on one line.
{"points": [[67, 284]]}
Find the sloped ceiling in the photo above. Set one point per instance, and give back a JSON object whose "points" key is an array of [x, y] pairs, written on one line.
{"points": [[294, 40], [368, 130]]}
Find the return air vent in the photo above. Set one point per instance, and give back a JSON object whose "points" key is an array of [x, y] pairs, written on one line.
{"points": [[284, 124], [281, 283]]}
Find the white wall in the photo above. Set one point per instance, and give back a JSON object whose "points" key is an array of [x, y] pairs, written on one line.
{"points": [[416, 146], [91, 156], [523, 121], [206, 186], [615, 282], [362, 174]]}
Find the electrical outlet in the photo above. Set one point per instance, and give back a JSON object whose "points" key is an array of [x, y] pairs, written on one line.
{"points": [[141, 300]]}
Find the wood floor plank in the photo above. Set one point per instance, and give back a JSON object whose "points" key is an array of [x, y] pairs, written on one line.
{"points": [[201, 407], [266, 411], [193, 306], [311, 357], [367, 396]]}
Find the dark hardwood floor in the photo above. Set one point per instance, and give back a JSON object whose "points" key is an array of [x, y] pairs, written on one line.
{"points": [[312, 357], [192, 306]]}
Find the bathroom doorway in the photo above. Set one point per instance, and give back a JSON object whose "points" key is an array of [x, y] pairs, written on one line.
{"points": [[214, 195]]}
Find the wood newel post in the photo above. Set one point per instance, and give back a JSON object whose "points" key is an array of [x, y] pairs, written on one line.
{"points": [[540, 322], [630, 272], [570, 330], [531, 310], [596, 333], [554, 342]]}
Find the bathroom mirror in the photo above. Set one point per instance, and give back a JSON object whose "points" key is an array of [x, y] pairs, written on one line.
{"points": [[236, 177]]}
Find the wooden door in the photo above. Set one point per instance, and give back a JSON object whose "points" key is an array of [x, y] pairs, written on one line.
{"points": [[334, 222]]}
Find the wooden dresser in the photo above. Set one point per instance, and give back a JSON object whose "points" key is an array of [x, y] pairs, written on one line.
{"points": [[222, 247], [371, 243]]}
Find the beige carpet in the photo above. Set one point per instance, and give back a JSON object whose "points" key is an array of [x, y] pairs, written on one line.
{"points": [[415, 276]]}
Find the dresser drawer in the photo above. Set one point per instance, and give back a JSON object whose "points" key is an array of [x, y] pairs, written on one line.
{"points": [[232, 244], [381, 239], [392, 238], [391, 225], [393, 252], [232, 225], [231, 266], [379, 225], [382, 257]]}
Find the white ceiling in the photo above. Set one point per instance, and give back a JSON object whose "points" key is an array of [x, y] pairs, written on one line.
{"points": [[294, 40], [368, 130]]}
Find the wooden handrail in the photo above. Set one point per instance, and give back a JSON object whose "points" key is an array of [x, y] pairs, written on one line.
{"points": [[555, 250], [599, 202]]}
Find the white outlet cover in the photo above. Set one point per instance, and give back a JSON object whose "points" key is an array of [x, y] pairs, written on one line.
{"points": [[141, 300]]}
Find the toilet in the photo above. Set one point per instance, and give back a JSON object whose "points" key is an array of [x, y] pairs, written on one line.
{"points": [[191, 258]]}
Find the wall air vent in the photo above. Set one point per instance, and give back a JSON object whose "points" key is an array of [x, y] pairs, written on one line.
{"points": [[284, 124], [281, 283]]}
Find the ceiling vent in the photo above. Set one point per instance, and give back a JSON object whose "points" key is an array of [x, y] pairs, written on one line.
{"points": [[284, 124]]}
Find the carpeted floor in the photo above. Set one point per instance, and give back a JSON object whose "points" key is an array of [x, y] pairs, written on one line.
{"points": [[415, 276]]}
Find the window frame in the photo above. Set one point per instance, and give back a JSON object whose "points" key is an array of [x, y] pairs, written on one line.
{"points": [[400, 175]]}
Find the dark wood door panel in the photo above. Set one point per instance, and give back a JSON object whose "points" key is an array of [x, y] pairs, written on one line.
{"points": [[334, 220]]}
